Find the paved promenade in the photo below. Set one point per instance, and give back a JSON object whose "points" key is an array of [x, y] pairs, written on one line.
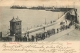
{"points": [[63, 35]]}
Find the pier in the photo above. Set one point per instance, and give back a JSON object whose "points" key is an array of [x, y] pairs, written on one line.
{"points": [[44, 32]]}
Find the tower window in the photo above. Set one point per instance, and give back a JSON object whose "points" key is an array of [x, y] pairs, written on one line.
{"points": [[17, 23]]}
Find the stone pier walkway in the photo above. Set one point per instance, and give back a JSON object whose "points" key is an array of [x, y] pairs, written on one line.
{"points": [[60, 35]]}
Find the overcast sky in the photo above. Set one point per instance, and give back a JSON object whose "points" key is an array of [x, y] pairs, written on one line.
{"points": [[39, 2]]}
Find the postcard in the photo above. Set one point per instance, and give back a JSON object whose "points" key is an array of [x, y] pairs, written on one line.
{"points": [[39, 26]]}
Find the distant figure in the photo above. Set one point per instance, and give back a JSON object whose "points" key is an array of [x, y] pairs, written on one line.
{"points": [[57, 30], [29, 39], [36, 37], [46, 34], [66, 26], [66, 21], [43, 36], [24, 38], [53, 31], [32, 38], [0, 35], [20, 38], [76, 27]]}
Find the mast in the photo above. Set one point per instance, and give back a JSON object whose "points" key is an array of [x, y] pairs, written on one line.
{"points": [[45, 21], [58, 16], [74, 5]]}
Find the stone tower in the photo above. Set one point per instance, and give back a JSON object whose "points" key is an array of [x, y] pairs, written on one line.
{"points": [[15, 28]]}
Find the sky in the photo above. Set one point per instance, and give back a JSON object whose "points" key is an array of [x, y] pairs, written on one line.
{"points": [[39, 2]]}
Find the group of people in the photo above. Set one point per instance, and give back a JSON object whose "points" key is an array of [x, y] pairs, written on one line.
{"points": [[42, 36], [48, 33]]}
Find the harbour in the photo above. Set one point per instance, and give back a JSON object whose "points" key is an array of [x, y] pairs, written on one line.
{"points": [[38, 26]]}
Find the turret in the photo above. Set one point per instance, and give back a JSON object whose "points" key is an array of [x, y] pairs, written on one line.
{"points": [[15, 28]]}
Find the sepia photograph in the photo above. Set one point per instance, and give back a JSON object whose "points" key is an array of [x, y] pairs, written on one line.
{"points": [[21, 22], [39, 26]]}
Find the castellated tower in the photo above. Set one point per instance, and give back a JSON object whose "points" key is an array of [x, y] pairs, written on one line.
{"points": [[15, 28]]}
